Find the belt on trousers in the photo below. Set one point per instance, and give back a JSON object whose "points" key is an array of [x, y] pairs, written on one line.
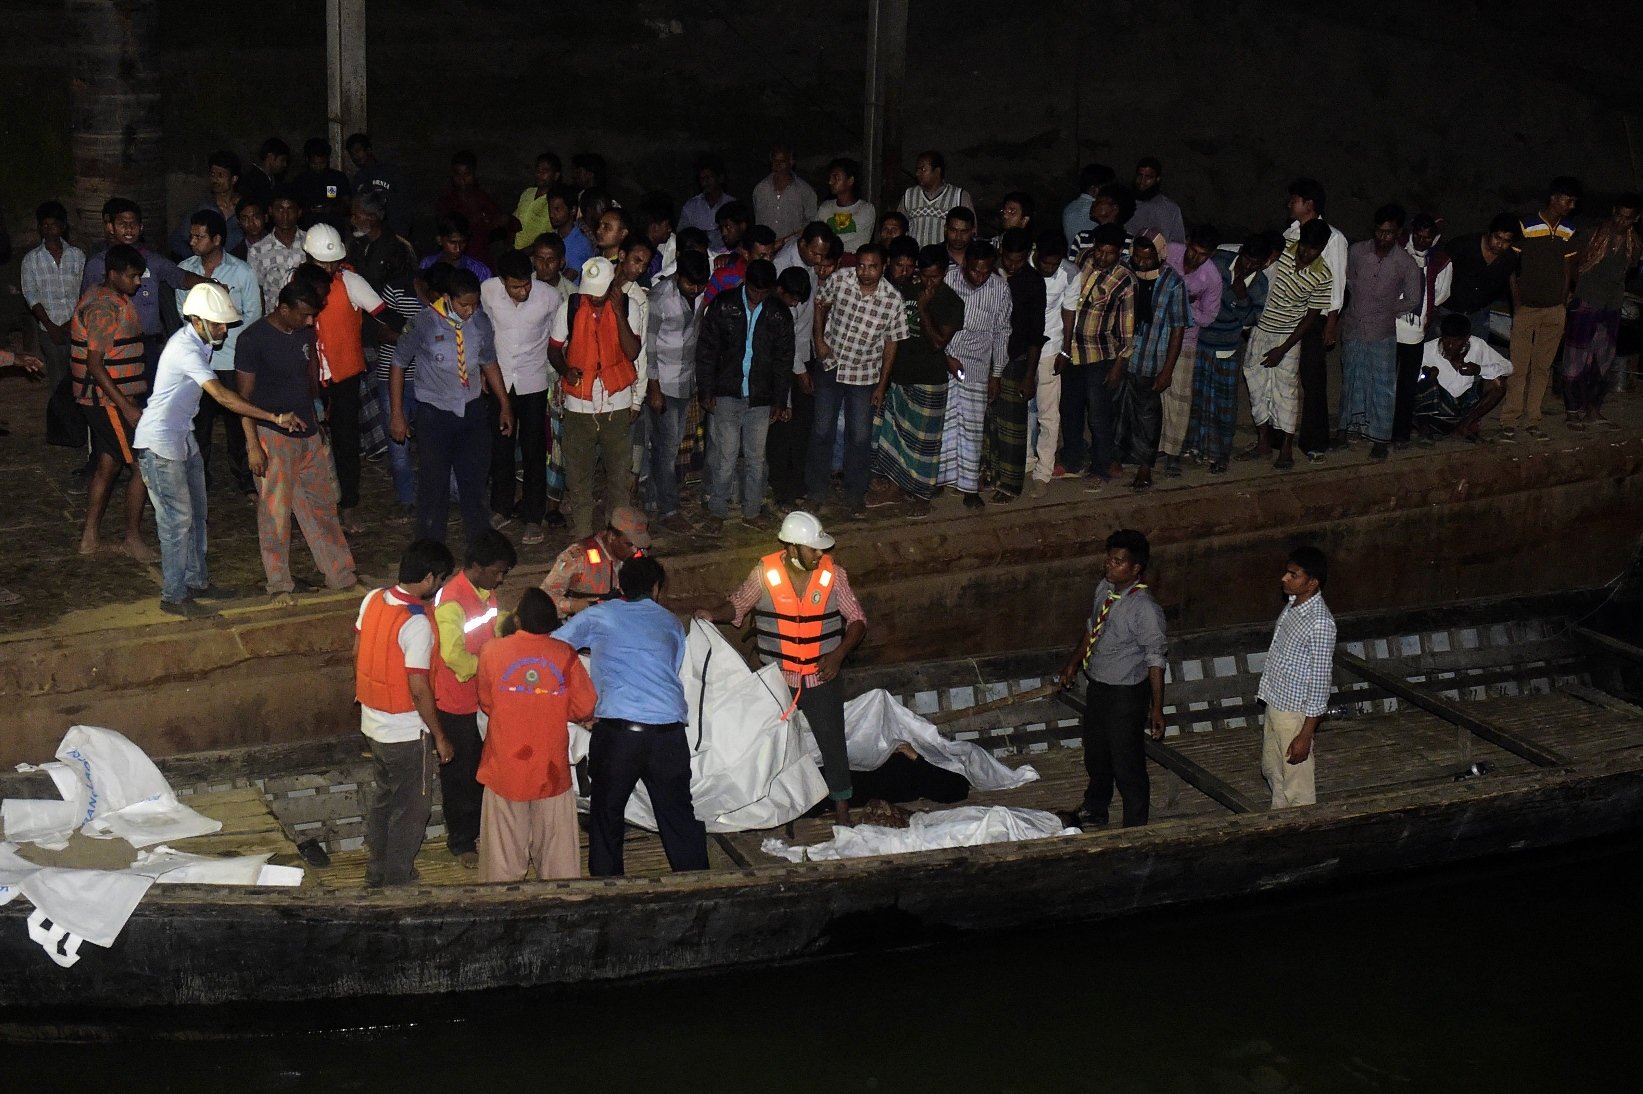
{"points": [[639, 727]]}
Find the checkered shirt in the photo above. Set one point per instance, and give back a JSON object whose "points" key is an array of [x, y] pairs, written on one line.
{"points": [[273, 262], [53, 284], [1299, 663], [858, 325]]}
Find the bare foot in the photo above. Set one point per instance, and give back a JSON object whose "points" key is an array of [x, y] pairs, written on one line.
{"points": [[841, 813], [90, 546], [137, 550]]}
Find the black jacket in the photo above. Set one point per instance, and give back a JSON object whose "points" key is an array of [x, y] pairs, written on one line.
{"points": [[721, 342]]}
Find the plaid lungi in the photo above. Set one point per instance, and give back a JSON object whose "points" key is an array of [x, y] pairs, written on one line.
{"points": [[907, 436], [1214, 404], [1274, 393], [1004, 455]]}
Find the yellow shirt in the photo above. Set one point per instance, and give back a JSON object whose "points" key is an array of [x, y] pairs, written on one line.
{"points": [[453, 647], [532, 214]]}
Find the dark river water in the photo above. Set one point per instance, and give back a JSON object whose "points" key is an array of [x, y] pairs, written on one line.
{"points": [[1522, 975]]}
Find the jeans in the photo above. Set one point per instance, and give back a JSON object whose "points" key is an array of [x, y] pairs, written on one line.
{"points": [[739, 430], [530, 432], [1085, 401], [399, 455], [667, 433], [618, 758], [1115, 722], [177, 489], [857, 402], [205, 420], [445, 444]]}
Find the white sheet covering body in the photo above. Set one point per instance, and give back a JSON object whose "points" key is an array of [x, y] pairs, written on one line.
{"points": [[749, 769], [752, 770], [965, 826], [111, 790]]}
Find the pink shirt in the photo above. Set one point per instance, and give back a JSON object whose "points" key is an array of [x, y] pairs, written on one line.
{"points": [[1203, 290]]}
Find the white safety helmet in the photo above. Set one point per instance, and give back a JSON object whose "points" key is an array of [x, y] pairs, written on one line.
{"points": [[211, 302], [804, 530], [323, 244]]}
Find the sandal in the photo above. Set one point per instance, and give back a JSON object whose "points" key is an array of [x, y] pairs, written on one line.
{"points": [[1283, 463]]}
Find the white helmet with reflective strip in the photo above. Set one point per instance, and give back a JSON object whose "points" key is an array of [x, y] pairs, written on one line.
{"points": [[804, 530], [212, 303]]}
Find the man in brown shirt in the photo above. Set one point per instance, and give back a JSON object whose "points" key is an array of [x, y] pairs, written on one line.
{"points": [[1541, 288]]}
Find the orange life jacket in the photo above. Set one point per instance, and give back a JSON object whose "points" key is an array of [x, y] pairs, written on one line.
{"points": [[123, 359], [455, 696], [595, 348], [337, 332], [381, 681], [796, 630]]}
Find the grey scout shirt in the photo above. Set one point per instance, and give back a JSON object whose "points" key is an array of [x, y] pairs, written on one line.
{"points": [[1132, 640]]}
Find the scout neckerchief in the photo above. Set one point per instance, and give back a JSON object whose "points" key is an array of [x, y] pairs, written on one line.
{"points": [[442, 307], [1113, 597]]}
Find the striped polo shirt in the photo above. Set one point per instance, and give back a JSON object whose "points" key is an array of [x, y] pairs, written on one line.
{"points": [[1292, 292]]}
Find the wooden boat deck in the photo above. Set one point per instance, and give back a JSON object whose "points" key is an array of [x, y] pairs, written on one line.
{"points": [[1360, 756]]}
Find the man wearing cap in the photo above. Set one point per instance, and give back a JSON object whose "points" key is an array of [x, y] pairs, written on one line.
{"points": [[808, 621], [595, 348], [168, 455], [585, 571]]}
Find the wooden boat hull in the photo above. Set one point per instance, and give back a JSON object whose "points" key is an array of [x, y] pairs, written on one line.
{"points": [[186, 945]]}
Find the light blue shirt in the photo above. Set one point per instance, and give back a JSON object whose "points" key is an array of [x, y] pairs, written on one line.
{"points": [[753, 314], [240, 280], [167, 425], [428, 346], [637, 649]]}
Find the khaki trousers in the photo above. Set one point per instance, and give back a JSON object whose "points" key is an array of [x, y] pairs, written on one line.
{"points": [[1536, 333], [514, 835], [1291, 784], [1041, 459]]}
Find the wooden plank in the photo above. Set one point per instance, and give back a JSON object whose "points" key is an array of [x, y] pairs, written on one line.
{"points": [[941, 717], [1196, 775], [732, 852], [1453, 713], [1607, 642]]}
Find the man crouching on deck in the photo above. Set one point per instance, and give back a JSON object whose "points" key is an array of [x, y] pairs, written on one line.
{"points": [[1122, 659], [393, 650], [809, 629]]}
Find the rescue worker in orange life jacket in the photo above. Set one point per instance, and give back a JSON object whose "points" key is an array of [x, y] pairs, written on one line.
{"points": [[585, 572], [807, 620]]}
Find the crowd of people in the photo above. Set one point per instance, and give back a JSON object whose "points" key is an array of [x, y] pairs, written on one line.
{"points": [[778, 347]]}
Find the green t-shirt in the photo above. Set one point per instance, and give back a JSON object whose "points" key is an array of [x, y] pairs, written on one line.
{"points": [[917, 361]]}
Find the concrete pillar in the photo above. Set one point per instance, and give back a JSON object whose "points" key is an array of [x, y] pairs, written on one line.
{"points": [[114, 112], [881, 128], [344, 72]]}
